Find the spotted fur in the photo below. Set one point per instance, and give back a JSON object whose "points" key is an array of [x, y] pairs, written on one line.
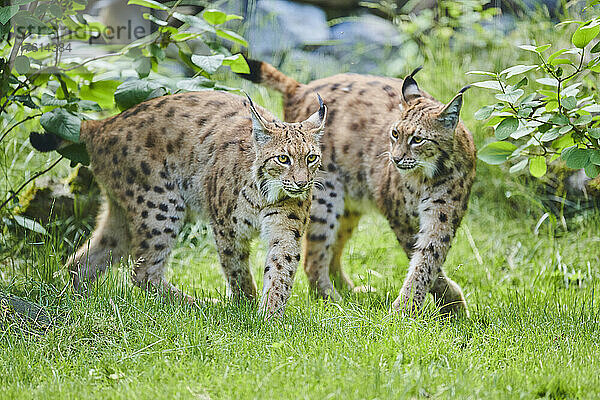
{"points": [[217, 155], [391, 147]]}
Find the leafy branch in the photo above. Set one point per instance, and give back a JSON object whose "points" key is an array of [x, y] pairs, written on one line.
{"points": [[536, 123]]}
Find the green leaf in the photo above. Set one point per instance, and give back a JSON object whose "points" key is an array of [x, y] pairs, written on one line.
{"points": [[101, 92], [24, 99], [30, 224], [537, 166], [494, 85], [510, 97], [142, 66], [24, 19], [152, 18], [565, 129], [48, 100], [595, 157], [134, 92], [583, 120], [157, 52], [234, 37], [559, 61], [547, 81], [596, 48], [569, 102], [556, 54], [22, 64], [55, 10], [559, 119], [194, 21], [486, 73], [88, 105], [506, 128], [517, 69], [214, 17], [518, 166], [62, 123], [585, 34], [237, 63], [484, 113], [529, 48], [77, 153], [496, 152], [195, 84], [521, 83], [594, 132], [233, 16], [148, 3], [575, 157], [183, 36], [209, 64], [592, 170], [543, 48], [7, 13]]}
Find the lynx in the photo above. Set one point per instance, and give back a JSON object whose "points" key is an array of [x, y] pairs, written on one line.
{"points": [[391, 147], [213, 153]]}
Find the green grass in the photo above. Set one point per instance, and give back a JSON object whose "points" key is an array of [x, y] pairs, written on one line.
{"points": [[533, 330], [532, 333]]}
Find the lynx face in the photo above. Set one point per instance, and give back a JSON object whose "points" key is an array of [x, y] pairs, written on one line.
{"points": [[420, 146], [286, 166]]}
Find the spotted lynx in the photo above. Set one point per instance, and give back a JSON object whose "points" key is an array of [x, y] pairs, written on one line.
{"points": [[209, 152], [391, 147]]}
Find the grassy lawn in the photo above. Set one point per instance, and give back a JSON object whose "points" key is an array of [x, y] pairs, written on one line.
{"points": [[530, 282], [533, 330]]}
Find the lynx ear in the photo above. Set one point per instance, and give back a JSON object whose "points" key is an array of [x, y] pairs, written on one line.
{"points": [[410, 89], [318, 119], [260, 133], [451, 112]]}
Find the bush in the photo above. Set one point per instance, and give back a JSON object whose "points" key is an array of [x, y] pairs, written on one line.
{"points": [[555, 113], [40, 84]]}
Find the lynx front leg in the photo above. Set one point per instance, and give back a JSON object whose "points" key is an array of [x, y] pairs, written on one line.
{"points": [[326, 211], [438, 220], [282, 228]]}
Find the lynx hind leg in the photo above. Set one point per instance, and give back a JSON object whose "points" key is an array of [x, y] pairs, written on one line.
{"points": [[348, 222], [448, 296], [155, 228], [234, 257], [326, 211], [108, 243]]}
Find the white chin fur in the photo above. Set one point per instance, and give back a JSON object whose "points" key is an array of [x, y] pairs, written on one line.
{"points": [[429, 169], [301, 195]]}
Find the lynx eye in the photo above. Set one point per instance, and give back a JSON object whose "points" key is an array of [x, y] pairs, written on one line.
{"points": [[311, 158], [283, 159], [416, 140], [395, 134]]}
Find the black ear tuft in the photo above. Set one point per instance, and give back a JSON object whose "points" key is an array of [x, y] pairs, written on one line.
{"points": [[461, 91], [321, 107], [412, 74]]}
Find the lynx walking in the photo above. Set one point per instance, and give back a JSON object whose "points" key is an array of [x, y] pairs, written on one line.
{"points": [[391, 147], [211, 152]]}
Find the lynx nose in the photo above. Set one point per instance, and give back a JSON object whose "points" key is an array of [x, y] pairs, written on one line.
{"points": [[397, 160]]}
